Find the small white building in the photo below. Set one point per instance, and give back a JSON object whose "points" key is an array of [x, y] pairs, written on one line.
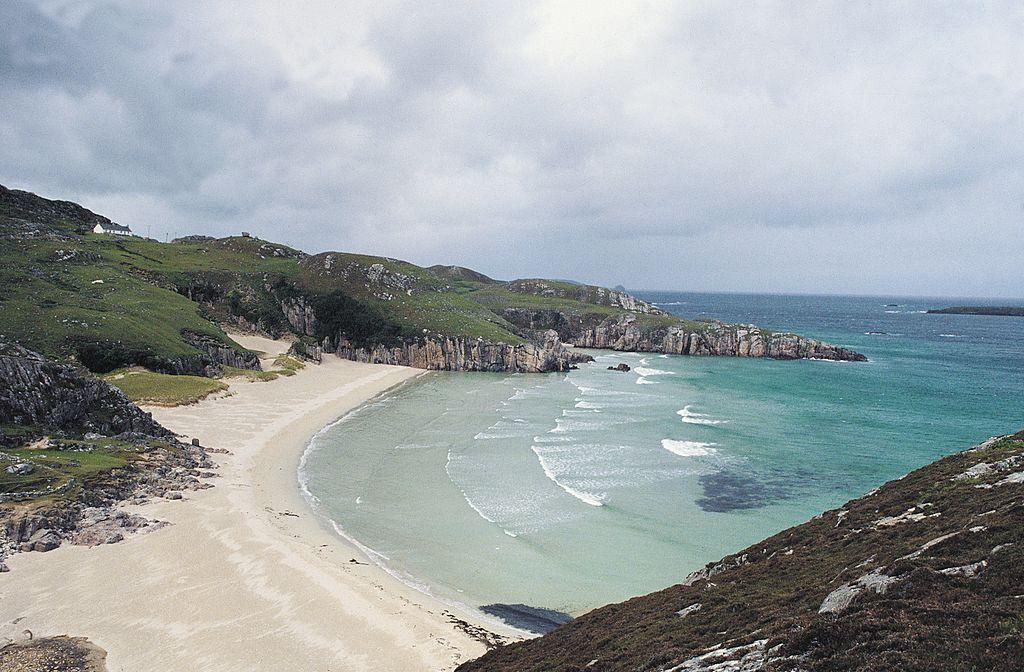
{"points": [[110, 227]]}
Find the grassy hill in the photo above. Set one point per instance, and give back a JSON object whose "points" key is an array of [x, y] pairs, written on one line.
{"points": [[112, 302], [924, 573]]}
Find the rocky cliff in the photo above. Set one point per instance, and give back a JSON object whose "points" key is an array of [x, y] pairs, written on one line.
{"points": [[463, 354], [923, 573], [714, 339], [110, 302], [34, 391], [433, 352]]}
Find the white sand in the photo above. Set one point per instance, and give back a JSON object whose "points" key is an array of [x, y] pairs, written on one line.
{"points": [[233, 583]]}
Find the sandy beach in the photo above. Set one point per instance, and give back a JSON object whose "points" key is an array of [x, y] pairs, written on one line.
{"points": [[245, 576]]}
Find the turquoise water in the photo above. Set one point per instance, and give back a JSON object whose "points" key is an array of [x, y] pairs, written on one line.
{"points": [[568, 491]]}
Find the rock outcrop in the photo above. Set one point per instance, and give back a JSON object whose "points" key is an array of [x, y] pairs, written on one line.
{"points": [[591, 294], [219, 355], [41, 398], [465, 354], [35, 391], [625, 332]]}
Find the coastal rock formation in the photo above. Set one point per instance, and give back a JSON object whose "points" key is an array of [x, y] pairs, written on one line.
{"points": [[35, 391], [464, 354], [436, 352], [52, 653], [923, 573], [51, 502], [730, 340], [219, 355]]}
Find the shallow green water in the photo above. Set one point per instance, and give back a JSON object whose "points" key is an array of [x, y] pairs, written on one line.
{"points": [[568, 491]]}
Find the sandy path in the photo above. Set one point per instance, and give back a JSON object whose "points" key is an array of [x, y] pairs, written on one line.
{"points": [[237, 582]]}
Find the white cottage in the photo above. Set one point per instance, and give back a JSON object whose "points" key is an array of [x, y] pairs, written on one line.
{"points": [[110, 227]]}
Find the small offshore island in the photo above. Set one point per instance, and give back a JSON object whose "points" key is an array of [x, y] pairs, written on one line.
{"points": [[155, 400], [1011, 311]]}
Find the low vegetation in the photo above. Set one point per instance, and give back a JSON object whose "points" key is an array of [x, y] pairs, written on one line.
{"points": [[62, 468], [116, 302], [161, 389]]}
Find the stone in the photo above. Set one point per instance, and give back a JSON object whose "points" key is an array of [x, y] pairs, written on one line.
{"points": [[621, 366], [42, 540], [20, 469]]}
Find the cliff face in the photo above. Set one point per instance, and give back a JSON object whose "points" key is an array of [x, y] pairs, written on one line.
{"points": [[217, 354], [923, 573], [34, 391], [462, 354], [438, 353], [625, 332]]}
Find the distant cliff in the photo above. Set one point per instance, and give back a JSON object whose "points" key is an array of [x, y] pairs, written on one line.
{"points": [[923, 573]]}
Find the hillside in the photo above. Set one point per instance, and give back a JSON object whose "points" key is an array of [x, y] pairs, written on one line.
{"points": [[923, 573], [110, 302]]}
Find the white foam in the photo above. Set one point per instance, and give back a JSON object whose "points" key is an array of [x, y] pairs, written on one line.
{"points": [[687, 448], [694, 418], [469, 501], [588, 404], [643, 381], [585, 497], [643, 371], [952, 335], [553, 439]]}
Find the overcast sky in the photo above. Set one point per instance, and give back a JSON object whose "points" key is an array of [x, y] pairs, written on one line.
{"points": [[787, 147]]}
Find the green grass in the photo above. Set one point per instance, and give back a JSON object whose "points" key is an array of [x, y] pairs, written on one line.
{"points": [[252, 376], [160, 389], [287, 365], [52, 468]]}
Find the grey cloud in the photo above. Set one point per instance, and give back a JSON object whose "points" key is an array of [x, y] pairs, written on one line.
{"points": [[534, 139]]}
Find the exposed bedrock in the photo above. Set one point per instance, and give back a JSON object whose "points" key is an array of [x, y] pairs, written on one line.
{"points": [[714, 338], [34, 390], [464, 354]]}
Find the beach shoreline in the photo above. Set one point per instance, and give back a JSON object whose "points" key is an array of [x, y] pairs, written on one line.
{"points": [[246, 575]]}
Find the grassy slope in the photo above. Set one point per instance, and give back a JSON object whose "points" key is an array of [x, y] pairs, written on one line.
{"points": [[412, 296], [159, 389], [50, 301], [928, 620]]}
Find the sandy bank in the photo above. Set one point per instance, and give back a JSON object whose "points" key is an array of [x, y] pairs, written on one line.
{"points": [[244, 577]]}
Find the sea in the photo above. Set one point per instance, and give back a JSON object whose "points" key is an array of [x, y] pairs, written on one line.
{"points": [[523, 493]]}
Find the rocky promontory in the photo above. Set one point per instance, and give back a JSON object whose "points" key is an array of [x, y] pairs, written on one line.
{"points": [[625, 332]]}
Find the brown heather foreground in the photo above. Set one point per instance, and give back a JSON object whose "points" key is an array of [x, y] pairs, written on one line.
{"points": [[925, 573]]}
